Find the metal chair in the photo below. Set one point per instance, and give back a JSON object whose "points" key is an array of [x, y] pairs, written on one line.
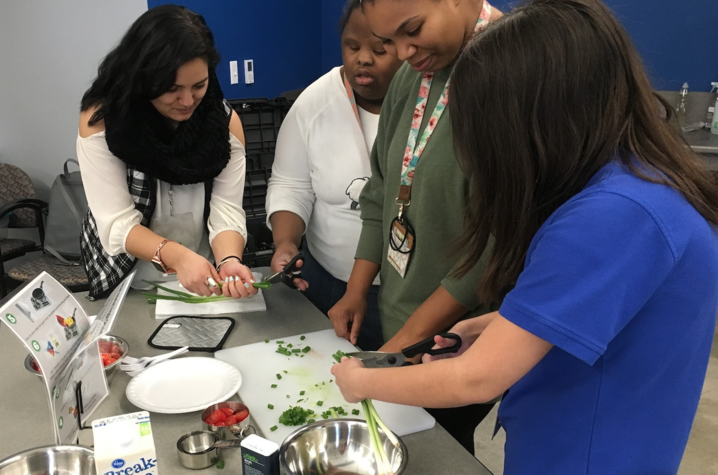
{"points": [[17, 199]]}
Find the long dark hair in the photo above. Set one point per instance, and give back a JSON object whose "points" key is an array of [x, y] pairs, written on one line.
{"points": [[144, 65], [540, 101]]}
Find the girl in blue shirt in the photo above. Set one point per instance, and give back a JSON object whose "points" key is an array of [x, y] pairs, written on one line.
{"points": [[605, 240]]}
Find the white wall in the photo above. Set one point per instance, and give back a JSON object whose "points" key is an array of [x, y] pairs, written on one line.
{"points": [[49, 53]]}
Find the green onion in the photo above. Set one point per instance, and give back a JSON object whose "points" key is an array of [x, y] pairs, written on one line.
{"points": [[266, 341], [306, 349], [302, 337], [374, 422], [279, 376], [320, 403], [289, 345], [152, 298], [273, 428], [310, 421], [220, 464], [270, 406], [294, 416], [356, 412], [167, 289], [274, 386], [301, 393]]}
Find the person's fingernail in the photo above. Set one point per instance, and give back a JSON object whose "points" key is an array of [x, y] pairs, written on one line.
{"points": [[226, 279], [252, 281], [211, 282], [246, 285], [236, 278]]}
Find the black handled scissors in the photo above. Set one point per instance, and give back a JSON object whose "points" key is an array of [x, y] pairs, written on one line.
{"points": [[288, 274], [378, 359]]}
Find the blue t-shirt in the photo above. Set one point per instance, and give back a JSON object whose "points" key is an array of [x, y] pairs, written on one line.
{"points": [[623, 280]]}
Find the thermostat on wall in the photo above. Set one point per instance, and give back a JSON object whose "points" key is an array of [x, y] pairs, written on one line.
{"points": [[249, 71]]}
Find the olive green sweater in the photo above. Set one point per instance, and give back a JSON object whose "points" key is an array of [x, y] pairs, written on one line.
{"points": [[438, 197]]}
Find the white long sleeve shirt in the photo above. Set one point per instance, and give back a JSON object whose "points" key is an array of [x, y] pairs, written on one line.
{"points": [[104, 177], [321, 164]]}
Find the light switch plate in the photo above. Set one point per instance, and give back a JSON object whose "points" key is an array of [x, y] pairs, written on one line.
{"points": [[233, 72], [249, 71]]}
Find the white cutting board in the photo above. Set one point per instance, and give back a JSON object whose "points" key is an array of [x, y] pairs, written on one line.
{"points": [[259, 364], [170, 308]]}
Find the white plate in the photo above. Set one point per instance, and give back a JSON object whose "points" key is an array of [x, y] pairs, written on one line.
{"points": [[184, 385]]}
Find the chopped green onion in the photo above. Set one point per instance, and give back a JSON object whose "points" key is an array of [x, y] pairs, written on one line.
{"points": [[270, 406], [355, 412], [279, 376], [320, 403], [338, 356], [301, 393], [302, 337], [274, 386], [266, 341], [273, 428], [220, 464], [306, 349]]}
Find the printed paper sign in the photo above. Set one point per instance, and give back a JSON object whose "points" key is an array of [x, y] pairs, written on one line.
{"points": [[51, 323]]}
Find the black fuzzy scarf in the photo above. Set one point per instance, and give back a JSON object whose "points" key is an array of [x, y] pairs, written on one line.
{"points": [[196, 152]]}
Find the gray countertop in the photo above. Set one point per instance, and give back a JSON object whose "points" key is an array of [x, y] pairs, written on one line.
{"points": [[24, 410], [702, 141]]}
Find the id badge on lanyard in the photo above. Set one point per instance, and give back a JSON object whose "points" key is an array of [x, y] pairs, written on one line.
{"points": [[402, 239]]}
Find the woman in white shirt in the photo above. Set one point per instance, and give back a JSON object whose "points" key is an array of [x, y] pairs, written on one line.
{"points": [[163, 162], [321, 164]]}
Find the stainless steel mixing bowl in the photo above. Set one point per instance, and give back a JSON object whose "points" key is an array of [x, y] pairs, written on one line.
{"points": [[50, 460], [337, 447]]}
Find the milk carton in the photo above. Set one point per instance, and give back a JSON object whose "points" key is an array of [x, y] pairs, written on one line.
{"points": [[124, 445]]}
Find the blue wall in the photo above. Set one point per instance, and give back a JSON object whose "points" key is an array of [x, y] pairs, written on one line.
{"points": [[283, 37], [676, 40], [294, 42], [331, 54]]}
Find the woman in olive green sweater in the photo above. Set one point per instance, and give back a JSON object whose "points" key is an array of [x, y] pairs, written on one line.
{"points": [[419, 296]]}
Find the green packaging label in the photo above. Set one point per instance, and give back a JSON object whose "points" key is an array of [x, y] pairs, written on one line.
{"points": [[144, 428]]}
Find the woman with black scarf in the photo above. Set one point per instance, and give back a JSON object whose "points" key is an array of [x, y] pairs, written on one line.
{"points": [[163, 162]]}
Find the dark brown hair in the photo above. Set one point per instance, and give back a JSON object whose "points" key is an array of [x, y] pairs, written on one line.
{"points": [[540, 101], [144, 65]]}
